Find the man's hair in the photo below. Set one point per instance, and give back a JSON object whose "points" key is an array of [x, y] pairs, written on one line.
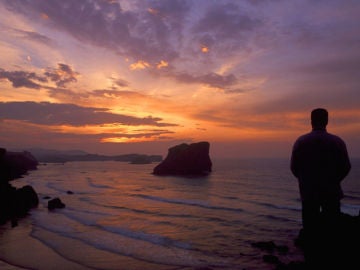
{"points": [[319, 117]]}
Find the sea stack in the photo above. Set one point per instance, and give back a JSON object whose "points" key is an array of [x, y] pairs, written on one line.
{"points": [[187, 160]]}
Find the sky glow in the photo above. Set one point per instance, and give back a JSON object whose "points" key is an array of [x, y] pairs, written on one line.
{"points": [[122, 76]]}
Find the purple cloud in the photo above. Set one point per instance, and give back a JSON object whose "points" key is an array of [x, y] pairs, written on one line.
{"points": [[210, 79], [62, 75], [22, 78], [46, 113]]}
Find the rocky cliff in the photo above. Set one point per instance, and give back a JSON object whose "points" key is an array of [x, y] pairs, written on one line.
{"points": [[15, 203]]}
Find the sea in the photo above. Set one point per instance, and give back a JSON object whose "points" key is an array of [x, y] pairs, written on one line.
{"points": [[119, 216]]}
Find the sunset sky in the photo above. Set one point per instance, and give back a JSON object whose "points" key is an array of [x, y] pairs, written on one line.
{"points": [[118, 76]]}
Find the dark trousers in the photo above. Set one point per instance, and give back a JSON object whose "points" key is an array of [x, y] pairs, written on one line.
{"points": [[320, 227], [315, 214]]}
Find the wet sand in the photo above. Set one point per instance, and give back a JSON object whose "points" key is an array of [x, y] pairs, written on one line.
{"points": [[18, 250]]}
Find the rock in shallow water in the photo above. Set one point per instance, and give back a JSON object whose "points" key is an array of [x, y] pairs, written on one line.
{"points": [[55, 203], [186, 159]]}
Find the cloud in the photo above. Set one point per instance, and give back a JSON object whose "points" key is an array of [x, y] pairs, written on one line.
{"points": [[226, 27], [62, 75], [32, 36], [139, 65], [22, 78], [211, 79], [116, 93], [46, 113], [33, 135], [150, 31], [226, 21], [162, 64], [346, 66], [120, 82], [106, 24]]}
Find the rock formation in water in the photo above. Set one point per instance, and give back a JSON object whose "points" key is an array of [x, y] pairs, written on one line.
{"points": [[15, 203], [186, 159], [55, 203]]}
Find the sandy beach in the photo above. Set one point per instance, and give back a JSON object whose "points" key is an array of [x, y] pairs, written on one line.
{"points": [[18, 250]]}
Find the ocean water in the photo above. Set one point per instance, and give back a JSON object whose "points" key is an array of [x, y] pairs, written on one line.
{"points": [[120, 216]]}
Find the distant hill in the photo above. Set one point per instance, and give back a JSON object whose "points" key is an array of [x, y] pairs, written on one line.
{"points": [[56, 156]]}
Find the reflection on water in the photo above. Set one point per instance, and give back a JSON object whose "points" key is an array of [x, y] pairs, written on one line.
{"points": [[121, 214]]}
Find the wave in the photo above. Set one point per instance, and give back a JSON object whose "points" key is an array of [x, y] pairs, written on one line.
{"points": [[281, 207], [351, 209], [151, 238], [277, 218], [353, 197], [91, 218], [196, 203], [55, 187], [141, 246], [94, 185], [137, 211]]}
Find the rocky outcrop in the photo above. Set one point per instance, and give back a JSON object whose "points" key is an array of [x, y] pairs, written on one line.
{"points": [[185, 159], [15, 203], [26, 198], [15, 164], [333, 246]]}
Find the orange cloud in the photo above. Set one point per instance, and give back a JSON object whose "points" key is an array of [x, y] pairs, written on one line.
{"points": [[44, 16], [162, 64], [205, 49], [128, 140], [139, 65], [153, 11]]}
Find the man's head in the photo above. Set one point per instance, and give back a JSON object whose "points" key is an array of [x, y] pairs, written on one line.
{"points": [[319, 118]]}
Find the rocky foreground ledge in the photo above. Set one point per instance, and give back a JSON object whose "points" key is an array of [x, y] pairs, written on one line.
{"points": [[15, 203], [186, 160], [335, 245]]}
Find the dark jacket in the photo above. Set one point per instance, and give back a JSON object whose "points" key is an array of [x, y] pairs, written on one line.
{"points": [[320, 162]]}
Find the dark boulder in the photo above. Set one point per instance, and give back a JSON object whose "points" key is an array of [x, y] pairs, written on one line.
{"points": [[334, 244], [26, 198], [7, 202], [15, 203], [55, 203], [185, 159]]}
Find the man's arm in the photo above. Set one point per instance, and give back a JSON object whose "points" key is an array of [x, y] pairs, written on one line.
{"points": [[344, 165], [294, 160]]}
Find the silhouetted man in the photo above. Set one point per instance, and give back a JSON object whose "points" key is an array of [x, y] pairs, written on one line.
{"points": [[320, 162]]}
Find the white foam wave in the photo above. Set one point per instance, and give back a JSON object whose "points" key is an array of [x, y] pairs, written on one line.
{"points": [[137, 245]]}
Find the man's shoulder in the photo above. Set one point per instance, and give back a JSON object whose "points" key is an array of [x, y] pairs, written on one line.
{"points": [[334, 137], [305, 136], [320, 135], [316, 135]]}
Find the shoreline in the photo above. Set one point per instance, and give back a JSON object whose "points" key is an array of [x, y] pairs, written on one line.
{"points": [[20, 251], [5, 265]]}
